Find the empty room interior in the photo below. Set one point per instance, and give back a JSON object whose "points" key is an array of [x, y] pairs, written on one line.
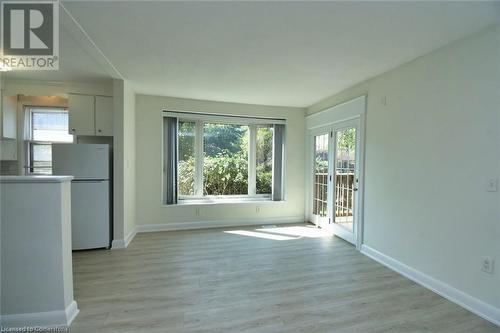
{"points": [[250, 166]]}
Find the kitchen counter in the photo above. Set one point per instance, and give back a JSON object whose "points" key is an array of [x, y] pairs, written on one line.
{"points": [[36, 259], [35, 179]]}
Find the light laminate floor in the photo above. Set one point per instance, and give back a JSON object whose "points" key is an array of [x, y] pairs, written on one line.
{"points": [[286, 279]]}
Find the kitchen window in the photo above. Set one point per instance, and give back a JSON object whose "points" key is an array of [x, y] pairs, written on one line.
{"points": [[217, 158], [46, 126]]}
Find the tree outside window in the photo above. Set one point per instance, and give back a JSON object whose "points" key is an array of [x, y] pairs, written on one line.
{"points": [[225, 155]]}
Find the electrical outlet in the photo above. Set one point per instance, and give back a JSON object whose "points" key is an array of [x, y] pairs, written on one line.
{"points": [[257, 209], [488, 265], [492, 185]]}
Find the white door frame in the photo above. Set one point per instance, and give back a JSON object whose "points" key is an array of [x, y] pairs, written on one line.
{"points": [[325, 130], [336, 229], [353, 110]]}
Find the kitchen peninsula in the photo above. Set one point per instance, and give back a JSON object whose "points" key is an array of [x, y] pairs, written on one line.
{"points": [[36, 259]]}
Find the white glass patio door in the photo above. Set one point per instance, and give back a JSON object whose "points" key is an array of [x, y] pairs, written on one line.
{"points": [[335, 186], [321, 177], [345, 187]]}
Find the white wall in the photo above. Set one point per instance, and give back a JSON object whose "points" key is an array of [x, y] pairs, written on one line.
{"points": [[54, 88], [118, 163], [1, 293], [430, 152], [149, 133], [124, 161], [129, 158]]}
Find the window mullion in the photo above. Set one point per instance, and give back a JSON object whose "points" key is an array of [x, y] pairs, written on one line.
{"points": [[252, 160], [30, 158], [198, 153]]}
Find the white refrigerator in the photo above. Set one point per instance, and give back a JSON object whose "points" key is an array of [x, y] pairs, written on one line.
{"points": [[90, 191]]}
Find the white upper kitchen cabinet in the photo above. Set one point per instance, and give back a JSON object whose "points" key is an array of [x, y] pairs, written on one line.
{"points": [[104, 115], [8, 116], [81, 114], [90, 115]]}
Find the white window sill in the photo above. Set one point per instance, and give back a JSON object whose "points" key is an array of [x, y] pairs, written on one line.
{"points": [[219, 200]]}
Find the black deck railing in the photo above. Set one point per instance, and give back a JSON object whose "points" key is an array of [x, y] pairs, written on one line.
{"points": [[343, 194]]}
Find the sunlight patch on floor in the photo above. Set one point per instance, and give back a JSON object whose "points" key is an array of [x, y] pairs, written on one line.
{"points": [[298, 231], [259, 235], [283, 233]]}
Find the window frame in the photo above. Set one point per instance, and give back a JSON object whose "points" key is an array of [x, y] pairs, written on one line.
{"points": [[253, 123], [199, 163], [30, 142]]}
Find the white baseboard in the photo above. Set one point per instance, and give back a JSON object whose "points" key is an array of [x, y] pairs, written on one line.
{"points": [[466, 301], [117, 244], [71, 312], [216, 224], [123, 243], [50, 319]]}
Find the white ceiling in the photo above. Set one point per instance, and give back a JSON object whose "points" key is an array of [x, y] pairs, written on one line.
{"points": [[75, 64], [275, 53]]}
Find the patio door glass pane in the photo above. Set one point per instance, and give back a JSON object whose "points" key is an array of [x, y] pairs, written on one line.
{"points": [[345, 177], [320, 189]]}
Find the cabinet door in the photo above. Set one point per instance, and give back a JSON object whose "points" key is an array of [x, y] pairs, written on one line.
{"points": [[81, 115], [8, 151], [104, 115], [9, 116]]}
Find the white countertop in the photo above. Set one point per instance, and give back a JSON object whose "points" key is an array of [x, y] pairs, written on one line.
{"points": [[35, 179]]}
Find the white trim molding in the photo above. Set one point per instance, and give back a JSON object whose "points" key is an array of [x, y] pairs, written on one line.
{"points": [[216, 224], [224, 118], [340, 112], [140, 228], [80, 35], [466, 301], [43, 320], [123, 243]]}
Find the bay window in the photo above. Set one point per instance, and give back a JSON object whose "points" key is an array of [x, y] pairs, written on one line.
{"points": [[210, 157]]}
